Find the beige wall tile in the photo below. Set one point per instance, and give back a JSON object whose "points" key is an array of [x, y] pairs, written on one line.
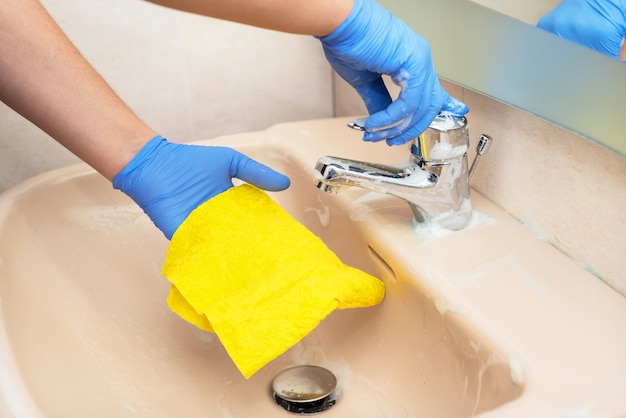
{"points": [[567, 189]]}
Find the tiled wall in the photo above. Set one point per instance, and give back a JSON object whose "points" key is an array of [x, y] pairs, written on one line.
{"points": [[565, 188], [188, 76]]}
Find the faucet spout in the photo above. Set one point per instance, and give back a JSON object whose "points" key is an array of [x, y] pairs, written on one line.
{"points": [[434, 181], [430, 196], [333, 174]]}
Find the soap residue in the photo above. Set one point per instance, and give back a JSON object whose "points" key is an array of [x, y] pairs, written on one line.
{"points": [[385, 402], [493, 360], [306, 133], [225, 408], [432, 230], [274, 155], [517, 373], [444, 308], [105, 218], [448, 119], [201, 335], [445, 150], [323, 214]]}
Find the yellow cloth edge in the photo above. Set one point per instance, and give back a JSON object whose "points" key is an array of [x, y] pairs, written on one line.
{"points": [[177, 303]]}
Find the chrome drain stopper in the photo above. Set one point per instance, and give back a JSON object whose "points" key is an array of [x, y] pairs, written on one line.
{"points": [[305, 389]]}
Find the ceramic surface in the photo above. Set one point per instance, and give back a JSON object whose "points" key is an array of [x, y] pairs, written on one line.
{"points": [[488, 321]]}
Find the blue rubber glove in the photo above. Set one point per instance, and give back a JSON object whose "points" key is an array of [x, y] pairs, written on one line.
{"points": [[596, 24], [372, 42], [168, 181]]}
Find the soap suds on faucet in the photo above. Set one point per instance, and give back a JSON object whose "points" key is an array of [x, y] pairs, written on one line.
{"points": [[445, 151], [432, 230]]}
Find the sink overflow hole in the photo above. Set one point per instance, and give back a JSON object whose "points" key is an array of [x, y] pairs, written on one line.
{"points": [[305, 389], [382, 261]]}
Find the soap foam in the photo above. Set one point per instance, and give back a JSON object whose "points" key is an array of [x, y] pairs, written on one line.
{"points": [[432, 230], [445, 151], [517, 373]]}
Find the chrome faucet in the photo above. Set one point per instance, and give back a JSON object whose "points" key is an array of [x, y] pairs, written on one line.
{"points": [[434, 181]]}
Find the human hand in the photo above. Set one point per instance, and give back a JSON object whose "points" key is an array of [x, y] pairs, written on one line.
{"points": [[596, 24], [168, 181], [372, 42]]}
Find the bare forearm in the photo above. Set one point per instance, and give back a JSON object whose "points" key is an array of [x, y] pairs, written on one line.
{"points": [[306, 17], [44, 78]]}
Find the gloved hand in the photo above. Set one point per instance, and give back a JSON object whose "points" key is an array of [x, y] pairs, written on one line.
{"points": [[596, 24], [168, 181], [372, 42]]}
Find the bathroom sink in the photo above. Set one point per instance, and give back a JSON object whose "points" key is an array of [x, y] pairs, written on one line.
{"points": [[484, 321]]}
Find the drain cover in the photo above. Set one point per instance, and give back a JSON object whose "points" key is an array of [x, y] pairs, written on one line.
{"points": [[305, 389]]}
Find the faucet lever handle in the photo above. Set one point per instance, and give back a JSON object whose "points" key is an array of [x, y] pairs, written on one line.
{"points": [[357, 124], [484, 142]]}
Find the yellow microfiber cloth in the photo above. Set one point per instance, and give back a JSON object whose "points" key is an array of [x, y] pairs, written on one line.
{"points": [[242, 267]]}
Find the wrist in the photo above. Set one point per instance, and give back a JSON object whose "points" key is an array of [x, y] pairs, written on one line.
{"points": [[145, 152], [366, 17], [122, 152]]}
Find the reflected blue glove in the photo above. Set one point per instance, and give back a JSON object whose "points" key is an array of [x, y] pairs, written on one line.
{"points": [[596, 24], [372, 42], [169, 180]]}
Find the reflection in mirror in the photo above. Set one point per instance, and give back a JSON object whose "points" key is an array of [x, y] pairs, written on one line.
{"points": [[518, 64], [597, 24]]}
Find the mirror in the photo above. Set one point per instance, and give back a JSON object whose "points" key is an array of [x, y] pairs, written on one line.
{"points": [[533, 11], [514, 62]]}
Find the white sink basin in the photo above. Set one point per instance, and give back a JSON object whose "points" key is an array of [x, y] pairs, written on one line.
{"points": [[489, 320]]}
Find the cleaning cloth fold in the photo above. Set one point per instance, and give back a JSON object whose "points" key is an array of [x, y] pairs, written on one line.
{"points": [[242, 267]]}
